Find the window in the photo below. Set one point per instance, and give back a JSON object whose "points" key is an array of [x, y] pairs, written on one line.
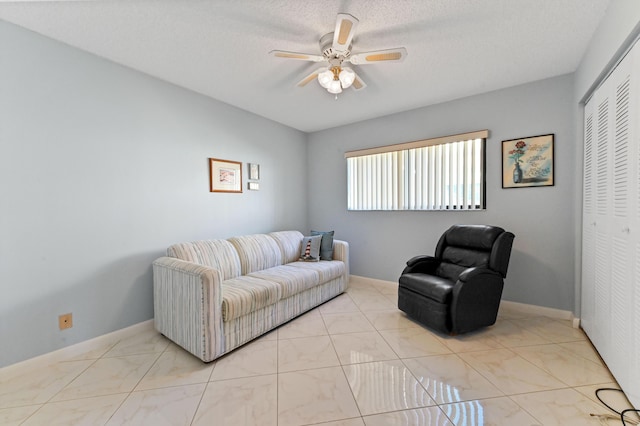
{"points": [[435, 174]]}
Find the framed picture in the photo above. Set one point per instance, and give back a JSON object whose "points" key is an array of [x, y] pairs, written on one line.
{"points": [[254, 171], [527, 162], [225, 175]]}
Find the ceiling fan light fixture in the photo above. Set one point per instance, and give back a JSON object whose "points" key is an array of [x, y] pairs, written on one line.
{"points": [[325, 78], [347, 76], [335, 48], [334, 87]]}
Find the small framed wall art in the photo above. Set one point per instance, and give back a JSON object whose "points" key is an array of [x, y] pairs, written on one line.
{"points": [[254, 171], [225, 175], [528, 162]]}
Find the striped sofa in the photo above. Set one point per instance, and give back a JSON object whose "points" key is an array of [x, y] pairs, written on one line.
{"points": [[212, 296]]}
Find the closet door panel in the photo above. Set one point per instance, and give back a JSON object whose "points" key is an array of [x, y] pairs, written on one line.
{"points": [[621, 305], [633, 388], [588, 278], [630, 131], [602, 318], [603, 150], [611, 223], [588, 224], [633, 392]]}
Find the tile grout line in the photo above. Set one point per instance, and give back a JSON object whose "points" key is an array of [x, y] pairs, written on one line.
{"points": [[344, 373], [74, 379], [48, 401], [402, 360], [277, 376], [136, 385]]}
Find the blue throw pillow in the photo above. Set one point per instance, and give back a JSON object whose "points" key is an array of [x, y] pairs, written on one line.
{"points": [[326, 246], [310, 251]]}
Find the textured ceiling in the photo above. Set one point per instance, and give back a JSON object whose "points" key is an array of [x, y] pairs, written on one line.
{"points": [[220, 48]]}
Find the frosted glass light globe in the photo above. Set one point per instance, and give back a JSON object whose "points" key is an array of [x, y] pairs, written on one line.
{"points": [[334, 87], [325, 78], [347, 76]]}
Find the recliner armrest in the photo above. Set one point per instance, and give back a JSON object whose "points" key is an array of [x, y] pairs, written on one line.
{"points": [[471, 273], [423, 264], [422, 258], [476, 299]]}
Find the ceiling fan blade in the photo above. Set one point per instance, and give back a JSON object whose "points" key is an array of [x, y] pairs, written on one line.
{"points": [[358, 84], [309, 78], [389, 55], [296, 55], [345, 29]]}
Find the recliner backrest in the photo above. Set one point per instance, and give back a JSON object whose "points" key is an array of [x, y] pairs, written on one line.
{"points": [[466, 246]]}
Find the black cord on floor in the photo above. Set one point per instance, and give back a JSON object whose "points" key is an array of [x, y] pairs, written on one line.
{"points": [[628, 410], [625, 422], [604, 403]]}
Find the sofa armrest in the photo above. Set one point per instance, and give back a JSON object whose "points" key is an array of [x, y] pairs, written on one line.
{"points": [[341, 252], [187, 302]]}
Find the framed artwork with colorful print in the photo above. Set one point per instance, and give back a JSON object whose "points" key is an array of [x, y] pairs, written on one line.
{"points": [[528, 162]]}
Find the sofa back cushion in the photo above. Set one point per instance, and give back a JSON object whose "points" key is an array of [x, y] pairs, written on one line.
{"points": [[256, 252], [217, 254], [289, 242]]}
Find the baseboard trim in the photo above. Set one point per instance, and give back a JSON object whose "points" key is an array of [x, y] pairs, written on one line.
{"points": [[576, 322], [78, 349], [522, 307], [544, 311], [361, 280]]}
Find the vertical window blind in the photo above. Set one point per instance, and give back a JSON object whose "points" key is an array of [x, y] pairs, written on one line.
{"points": [[444, 173]]}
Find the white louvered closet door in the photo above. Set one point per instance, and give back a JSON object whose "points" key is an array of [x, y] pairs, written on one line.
{"points": [[611, 223], [588, 320]]}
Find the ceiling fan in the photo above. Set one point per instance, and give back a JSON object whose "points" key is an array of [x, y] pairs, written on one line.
{"points": [[336, 50]]}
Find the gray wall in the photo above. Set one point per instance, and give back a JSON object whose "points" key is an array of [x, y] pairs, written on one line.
{"points": [[541, 270], [616, 31], [101, 168]]}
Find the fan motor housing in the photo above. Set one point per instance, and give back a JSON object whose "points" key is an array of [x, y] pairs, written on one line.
{"points": [[326, 47]]}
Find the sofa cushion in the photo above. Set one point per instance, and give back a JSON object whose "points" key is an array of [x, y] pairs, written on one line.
{"points": [[217, 254], [310, 248], [257, 252], [326, 247], [289, 242], [293, 280], [328, 270], [246, 294]]}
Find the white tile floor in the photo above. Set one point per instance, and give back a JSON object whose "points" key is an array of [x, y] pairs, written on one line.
{"points": [[355, 360]]}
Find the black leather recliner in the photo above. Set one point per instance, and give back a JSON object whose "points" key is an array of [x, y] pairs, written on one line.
{"points": [[459, 289]]}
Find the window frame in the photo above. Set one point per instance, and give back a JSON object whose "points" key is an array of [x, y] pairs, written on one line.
{"points": [[402, 192]]}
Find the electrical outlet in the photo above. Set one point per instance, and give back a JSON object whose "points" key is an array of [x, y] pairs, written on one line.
{"points": [[65, 321]]}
